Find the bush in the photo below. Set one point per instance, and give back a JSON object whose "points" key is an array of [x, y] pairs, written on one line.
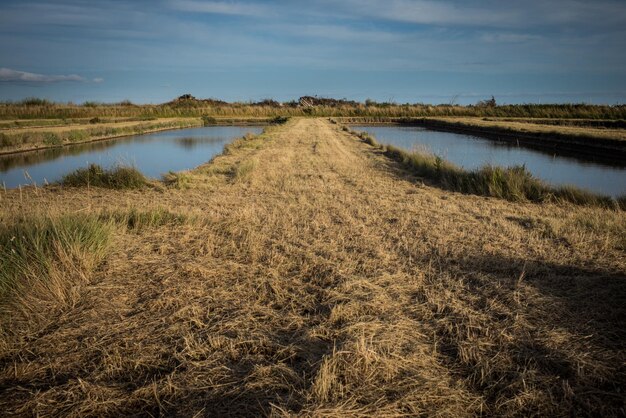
{"points": [[119, 177]]}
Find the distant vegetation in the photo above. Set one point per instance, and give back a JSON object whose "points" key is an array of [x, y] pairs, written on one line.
{"points": [[54, 137], [189, 106]]}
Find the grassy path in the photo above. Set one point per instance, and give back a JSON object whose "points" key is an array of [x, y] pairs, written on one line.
{"points": [[313, 276]]}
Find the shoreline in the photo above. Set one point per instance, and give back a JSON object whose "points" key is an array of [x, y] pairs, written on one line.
{"points": [[583, 147], [41, 147]]}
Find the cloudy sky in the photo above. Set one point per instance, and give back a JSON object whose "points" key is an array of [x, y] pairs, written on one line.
{"points": [[401, 50]]}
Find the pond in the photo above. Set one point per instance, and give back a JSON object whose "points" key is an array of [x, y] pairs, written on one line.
{"points": [[472, 152], [153, 154]]}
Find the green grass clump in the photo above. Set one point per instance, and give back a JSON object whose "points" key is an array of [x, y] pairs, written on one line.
{"points": [[32, 248], [119, 177]]}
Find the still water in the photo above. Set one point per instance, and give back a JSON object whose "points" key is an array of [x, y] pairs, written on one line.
{"points": [[152, 154], [473, 152]]}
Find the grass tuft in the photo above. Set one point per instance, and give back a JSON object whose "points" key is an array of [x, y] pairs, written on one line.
{"points": [[39, 257], [119, 177], [178, 180]]}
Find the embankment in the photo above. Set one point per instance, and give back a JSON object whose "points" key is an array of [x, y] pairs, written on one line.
{"points": [[606, 145]]}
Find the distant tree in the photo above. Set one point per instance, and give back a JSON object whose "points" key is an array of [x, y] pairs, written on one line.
{"points": [[487, 103]]}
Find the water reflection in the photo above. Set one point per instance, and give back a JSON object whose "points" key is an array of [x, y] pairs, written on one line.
{"points": [[473, 152], [153, 154], [26, 159]]}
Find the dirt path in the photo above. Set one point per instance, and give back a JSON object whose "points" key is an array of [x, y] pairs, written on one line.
{"points": [[317, 278]]}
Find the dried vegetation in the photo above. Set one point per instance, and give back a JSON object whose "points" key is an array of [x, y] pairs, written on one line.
{"points": [[305, 273]]}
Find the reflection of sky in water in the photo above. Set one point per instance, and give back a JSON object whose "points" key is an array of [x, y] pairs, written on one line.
{"points": [[471, 152], [153, 154]]}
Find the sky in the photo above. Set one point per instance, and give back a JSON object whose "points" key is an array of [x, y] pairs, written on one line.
{"points": [[415, 51]]}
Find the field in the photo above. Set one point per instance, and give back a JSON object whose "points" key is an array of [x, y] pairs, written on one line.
{"points": [[306, 271]]}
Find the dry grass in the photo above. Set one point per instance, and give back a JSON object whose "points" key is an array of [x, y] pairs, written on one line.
{"points": [[542, 128], [328, 282]]}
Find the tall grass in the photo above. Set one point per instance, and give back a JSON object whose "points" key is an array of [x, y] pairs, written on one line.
{"points": [[118, 177], [44, 110], [40, 257], [511, 183]]}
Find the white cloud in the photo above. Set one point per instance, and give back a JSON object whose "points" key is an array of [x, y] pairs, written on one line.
{"points": [[336, 32], [98, 80], [434, 12], [486, 13], [219, 7], [9, 75], [509, 37]]}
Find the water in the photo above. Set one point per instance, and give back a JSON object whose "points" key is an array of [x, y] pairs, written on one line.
{"points": [[472, 152], [152, 154]]}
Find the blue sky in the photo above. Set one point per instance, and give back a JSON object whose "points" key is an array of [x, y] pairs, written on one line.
{"points": [[400, 50]]}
